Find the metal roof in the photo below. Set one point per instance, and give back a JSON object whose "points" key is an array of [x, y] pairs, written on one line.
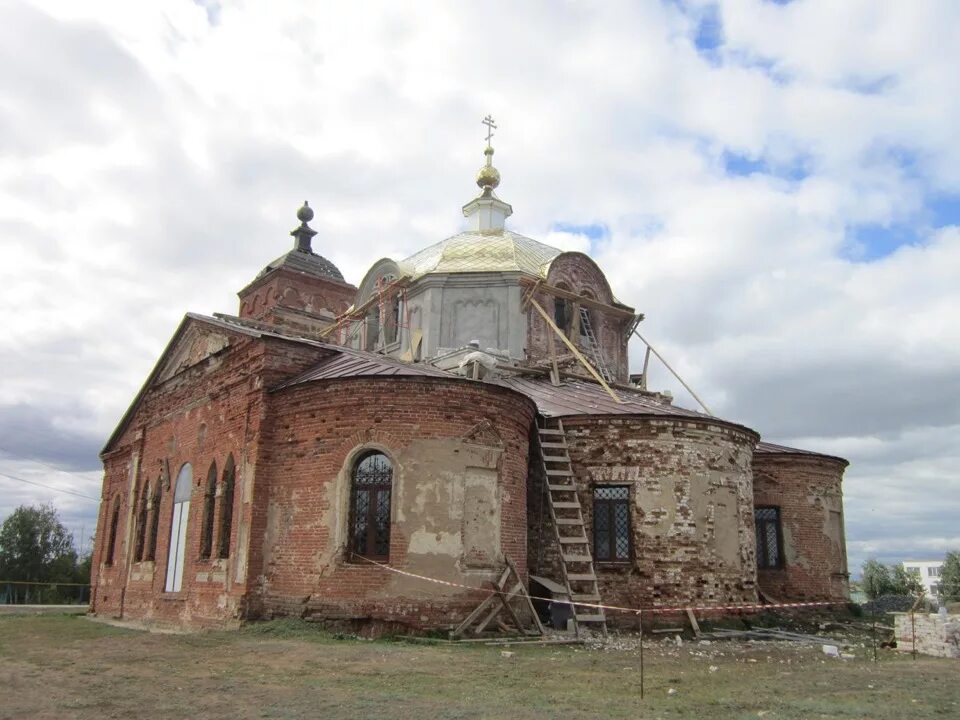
{"points": [[582, 397], [360, 363], [305, 262], [501, 251], [768, 448]]}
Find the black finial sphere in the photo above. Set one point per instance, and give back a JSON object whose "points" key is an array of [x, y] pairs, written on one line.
{"points": [[305, 214]]}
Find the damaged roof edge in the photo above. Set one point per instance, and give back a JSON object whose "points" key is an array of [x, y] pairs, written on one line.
{"points": [[773, 449]]}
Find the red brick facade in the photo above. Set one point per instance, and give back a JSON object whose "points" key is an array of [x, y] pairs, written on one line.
{"points": [[295, 300], [807, 491], [444, 439]]}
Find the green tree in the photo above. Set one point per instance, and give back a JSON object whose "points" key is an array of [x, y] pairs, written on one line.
{"points": [[906, 583], [36, 547], [877, 579], [950, 577]]}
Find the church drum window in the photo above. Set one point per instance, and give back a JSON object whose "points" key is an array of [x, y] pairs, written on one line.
{"points": [[769, 538], [562, 310], [178, 529], [611, 523], [226, 509], [209, 500], [112, 537], [371, 487]]}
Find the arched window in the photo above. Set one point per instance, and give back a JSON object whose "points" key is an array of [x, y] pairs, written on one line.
{"points": [[371, 485], [142, 502], [178, 528], [151, 550], [226, 509], [112, 537], [209, 504]]}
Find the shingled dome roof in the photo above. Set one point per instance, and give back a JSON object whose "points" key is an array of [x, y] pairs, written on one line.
{"points": [[305, 262], [501, 251]]}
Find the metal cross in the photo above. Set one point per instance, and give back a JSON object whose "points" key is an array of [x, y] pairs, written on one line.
{"points": [[491, 126]]}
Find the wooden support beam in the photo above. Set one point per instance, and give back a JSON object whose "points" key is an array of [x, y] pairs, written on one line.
{"points": [[675, 374], [357, 313], [573, 349], [541, 286], [693, 622]]}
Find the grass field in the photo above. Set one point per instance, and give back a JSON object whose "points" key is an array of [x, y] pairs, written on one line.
{"points": [[72, 667]]}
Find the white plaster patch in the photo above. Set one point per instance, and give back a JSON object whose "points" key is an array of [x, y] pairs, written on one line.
{"points": [[424, 542]]}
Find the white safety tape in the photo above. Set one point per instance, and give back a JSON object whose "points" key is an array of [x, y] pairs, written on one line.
{"points": [[618, 608]]}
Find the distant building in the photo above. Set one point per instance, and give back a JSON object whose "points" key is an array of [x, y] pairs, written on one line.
{"points": [[929, 572]]}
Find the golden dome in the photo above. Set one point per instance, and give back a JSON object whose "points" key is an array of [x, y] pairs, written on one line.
{"points": [[489, 176]]}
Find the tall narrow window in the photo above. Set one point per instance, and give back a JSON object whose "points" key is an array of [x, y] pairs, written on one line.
{"points": [[769, 537], [209, 504], [151, 551], [142, 503], [178, 528], [112, 537], [226, 509], [562, 311], [372, 484], [611, 523]]}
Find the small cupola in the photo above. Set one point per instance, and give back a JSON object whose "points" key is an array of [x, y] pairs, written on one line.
{"points": [[487, 213]]}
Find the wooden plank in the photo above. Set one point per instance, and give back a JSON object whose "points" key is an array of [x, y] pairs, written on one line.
{"points": [[675, 374], [693, 622], [541, 286], [477, 611], [533, 612], [577, 353]]}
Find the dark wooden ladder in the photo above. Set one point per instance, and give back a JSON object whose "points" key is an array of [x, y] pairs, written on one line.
{"points": [[576, 561]]}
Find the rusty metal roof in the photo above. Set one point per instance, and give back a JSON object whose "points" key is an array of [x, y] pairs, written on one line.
{"points": [[348, 362], [582, 397], [768, 448]]}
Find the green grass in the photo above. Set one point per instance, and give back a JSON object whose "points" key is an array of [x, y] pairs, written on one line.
{"points": [[55, 667]]}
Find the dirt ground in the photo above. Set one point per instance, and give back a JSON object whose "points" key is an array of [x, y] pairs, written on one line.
{"points": [[73, 667]]}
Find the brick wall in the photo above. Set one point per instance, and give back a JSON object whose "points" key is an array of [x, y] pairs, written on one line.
{"points": [[578, 273], [807, 489], [447, 441], [931, 634], [691, 504], [309, 301], [201, 415]]}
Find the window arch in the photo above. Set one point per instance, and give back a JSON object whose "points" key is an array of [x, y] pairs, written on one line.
{"points": [[209, 505], [151, 550], [226, 508], [371, 485], [142, 503], [178, 528], [112, 536], [562, 310]]}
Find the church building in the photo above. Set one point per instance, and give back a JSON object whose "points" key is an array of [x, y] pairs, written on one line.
{"points": [[380, 453]]}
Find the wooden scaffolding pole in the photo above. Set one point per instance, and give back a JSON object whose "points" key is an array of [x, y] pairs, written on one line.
{"points": [[652, 349], [573, 349]]}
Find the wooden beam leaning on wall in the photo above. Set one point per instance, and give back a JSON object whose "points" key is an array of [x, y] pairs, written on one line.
{"points": [[585, 301], [577, 354]]}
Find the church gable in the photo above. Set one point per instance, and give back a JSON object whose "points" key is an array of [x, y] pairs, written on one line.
{"points": [[195, 344]]}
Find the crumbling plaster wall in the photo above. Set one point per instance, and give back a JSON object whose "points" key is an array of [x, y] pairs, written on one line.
{"points": [[459, 455], [808, 491], [691, 505], [200, 412]]}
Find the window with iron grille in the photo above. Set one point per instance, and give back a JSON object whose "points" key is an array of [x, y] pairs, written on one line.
{"points": [[226, 508], [372, 483], [769, 537], [611, 524], [209, 500]]}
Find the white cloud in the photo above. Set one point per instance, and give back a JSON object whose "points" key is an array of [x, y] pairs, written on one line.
{"points": [[152, 162]]}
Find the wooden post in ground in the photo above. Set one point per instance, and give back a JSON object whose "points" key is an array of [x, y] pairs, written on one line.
{"points": [[640, 613]]}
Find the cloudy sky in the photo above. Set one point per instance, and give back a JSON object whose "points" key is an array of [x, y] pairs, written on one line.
{"points": [[776, 185]]}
